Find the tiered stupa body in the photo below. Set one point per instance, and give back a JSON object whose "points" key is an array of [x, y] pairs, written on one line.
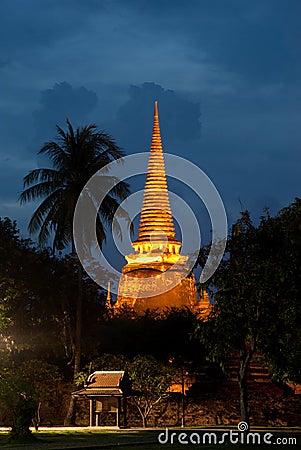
{"points": [[156, 262]]}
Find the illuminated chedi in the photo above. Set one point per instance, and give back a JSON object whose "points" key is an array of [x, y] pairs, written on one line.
{"points": [[156, 275]]}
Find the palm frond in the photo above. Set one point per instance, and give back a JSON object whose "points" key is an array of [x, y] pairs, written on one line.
{"points": [[48, 226], [37, 191], [100, 232], [109, 146], [37, 218], [40, 175], [108, 210], [57, 221], [61, 133], [121, 190], [121, 214], [62, 237], [84, 229], [57, 154], [108, 183]]}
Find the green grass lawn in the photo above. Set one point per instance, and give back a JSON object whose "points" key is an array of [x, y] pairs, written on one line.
{"points": [[68, 439], [123, 440]]}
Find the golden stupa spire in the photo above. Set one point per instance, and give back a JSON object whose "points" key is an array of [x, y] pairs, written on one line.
{"points": [[156, 222]]}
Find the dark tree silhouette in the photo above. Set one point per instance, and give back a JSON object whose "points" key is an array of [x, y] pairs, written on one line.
{"points": [[257, 299], [75, 155]]}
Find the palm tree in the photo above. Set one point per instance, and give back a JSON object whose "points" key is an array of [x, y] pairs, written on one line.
{"points": [[75, 157]]}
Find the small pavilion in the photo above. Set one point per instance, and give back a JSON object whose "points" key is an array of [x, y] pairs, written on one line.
{"points": [[107, 392]]}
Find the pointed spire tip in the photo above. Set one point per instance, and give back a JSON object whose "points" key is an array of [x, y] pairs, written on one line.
{"points": [[156, 108]]}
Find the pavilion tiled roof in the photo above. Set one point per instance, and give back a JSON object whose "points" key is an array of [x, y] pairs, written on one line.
{"points": [[104, 383], [105, 379], [98, 391]]}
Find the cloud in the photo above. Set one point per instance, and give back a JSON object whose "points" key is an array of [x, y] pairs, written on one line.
{"points": [[239, 63], [179, 117], [23, 133], [60, 102]]}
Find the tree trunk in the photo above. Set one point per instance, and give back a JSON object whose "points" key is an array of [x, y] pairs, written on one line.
{"points": [[244, 407], [22, 417], [70, 417], [245, 357], [20, 432], [78, 326], [144, 421]]}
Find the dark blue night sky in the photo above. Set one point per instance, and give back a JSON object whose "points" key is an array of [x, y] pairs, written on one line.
{"points": [[227, 75]]}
